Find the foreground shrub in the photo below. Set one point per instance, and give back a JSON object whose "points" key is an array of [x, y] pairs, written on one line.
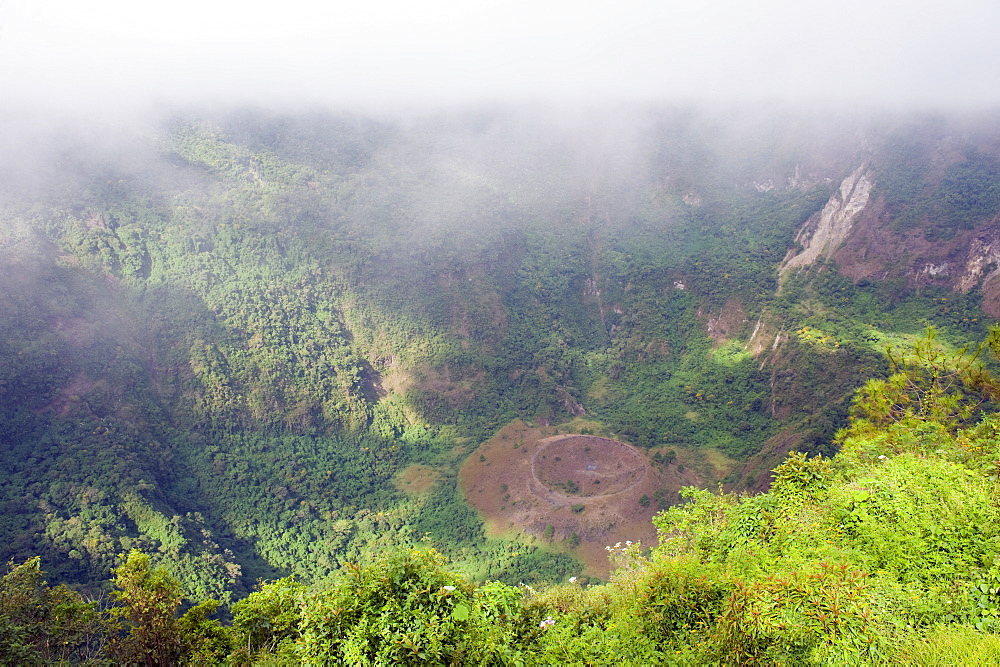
{"points": [[43, 625], [949, 645], [404, 608], [267, 621], [824, 612]]}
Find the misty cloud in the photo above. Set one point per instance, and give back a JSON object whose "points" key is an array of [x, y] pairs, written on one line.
{"points": [[111, 53]]}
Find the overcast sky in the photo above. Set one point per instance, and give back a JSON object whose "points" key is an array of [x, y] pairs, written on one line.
{"points": [[117, 53]]}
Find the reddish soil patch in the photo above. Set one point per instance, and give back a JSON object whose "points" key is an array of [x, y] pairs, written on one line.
{"points": [[727, 323], [416, 479], [68, 395], [991, 296], [587, 466], [523, 492]]}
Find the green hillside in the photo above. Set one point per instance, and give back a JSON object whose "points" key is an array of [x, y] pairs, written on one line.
{"points": [[225, 339], [884, 554]]}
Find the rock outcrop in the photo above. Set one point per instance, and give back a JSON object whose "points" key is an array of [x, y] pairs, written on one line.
{"points": [[830, 228], [982, 260]]}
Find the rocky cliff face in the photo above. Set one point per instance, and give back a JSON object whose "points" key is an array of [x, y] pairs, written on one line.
{"points": [[826, 231], [876, 251], [981, 266], [857, 229]]}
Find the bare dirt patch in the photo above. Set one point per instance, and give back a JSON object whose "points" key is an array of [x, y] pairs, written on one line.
{"points": [[454, 387], [416, 479], [519, 481], [69, 395], [587, 466], [727, 323]]}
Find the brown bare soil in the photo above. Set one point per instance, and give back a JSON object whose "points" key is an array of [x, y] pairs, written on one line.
{"points": [[587, 466], [69, 394], [533, 484], [455, 389], [727, 323], [416, 479]]}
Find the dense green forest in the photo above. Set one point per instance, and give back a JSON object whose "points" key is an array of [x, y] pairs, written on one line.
{"points": [[884, 554], [224, 337]]}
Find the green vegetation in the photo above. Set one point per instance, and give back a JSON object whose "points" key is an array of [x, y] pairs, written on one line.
{"points": [[218, 351], [886, 553], [222, 358], [967, 193]]}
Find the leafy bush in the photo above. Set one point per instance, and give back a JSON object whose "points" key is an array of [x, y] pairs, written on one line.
{"points": [[267, 620], [949, 645], [404, 608], [43, 625]]}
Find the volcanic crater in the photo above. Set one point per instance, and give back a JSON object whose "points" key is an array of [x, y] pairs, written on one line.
{"points": [[586, 466], [569, 492]]}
